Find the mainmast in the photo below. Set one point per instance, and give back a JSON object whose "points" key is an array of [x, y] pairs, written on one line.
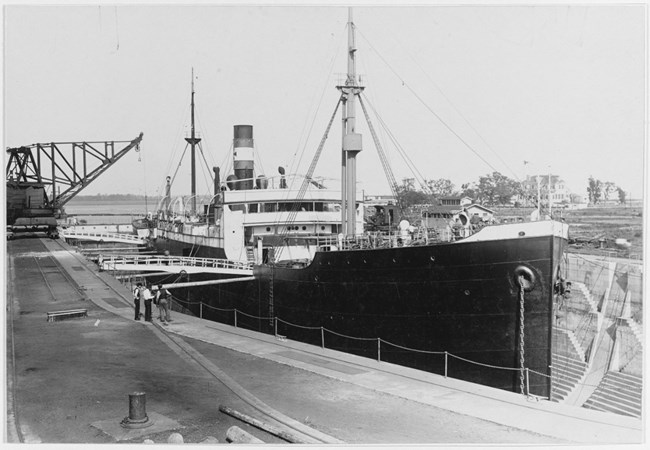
{"points": [[193, 140], [351, 139]]}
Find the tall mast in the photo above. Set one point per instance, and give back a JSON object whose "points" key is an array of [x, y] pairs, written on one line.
{"points": [[193, 140], [351, 139]]}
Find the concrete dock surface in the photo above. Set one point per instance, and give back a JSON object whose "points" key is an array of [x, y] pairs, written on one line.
{"points": [[68, 380]]}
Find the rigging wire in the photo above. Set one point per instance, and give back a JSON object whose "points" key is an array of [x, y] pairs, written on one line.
{"points": [[310, 172], [204, 132], [294, 168], [144, 176], [227, 163], [256, 154], [179, 163], [399, 148], [440, 119], [462, 116], [207, 167]]}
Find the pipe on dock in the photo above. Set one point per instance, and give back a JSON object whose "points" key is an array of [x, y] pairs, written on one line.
{"points": [[289, 437], [238, 436], [206, 283]]}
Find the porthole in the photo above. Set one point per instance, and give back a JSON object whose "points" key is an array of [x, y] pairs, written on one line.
{"points": [[322, 227], [304, 227], [268, 228], [466, 292], [432, 258], [522, 233]]}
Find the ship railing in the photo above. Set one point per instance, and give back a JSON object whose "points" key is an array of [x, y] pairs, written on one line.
{"points": [[214, 263], [73, 234], [371, 240], [282, 330]]}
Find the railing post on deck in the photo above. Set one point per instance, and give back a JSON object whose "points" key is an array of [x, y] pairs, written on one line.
{"points": [[378, 349], [200, 310], [527, 382], [446, 364], [235, 317], [322, 337], [275, 321]]}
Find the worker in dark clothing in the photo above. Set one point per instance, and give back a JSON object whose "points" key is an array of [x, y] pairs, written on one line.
{"points": [[136, 300]]}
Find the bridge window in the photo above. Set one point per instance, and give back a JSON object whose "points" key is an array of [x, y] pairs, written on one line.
{"points": [[238, 207], [252, 207], [270, 207], [332, 207]]}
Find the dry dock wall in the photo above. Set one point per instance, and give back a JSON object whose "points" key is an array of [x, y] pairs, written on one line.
{"points": [[616, 286]]}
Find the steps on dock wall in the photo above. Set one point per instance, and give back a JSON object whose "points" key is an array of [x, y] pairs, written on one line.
{"points": [[566, 373], [618, 393]]}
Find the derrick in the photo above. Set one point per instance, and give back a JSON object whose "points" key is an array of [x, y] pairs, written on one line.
{"points": [[43, 177]]}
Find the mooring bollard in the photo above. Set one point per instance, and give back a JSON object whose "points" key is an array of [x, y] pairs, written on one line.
{"points": [[137, 417]]}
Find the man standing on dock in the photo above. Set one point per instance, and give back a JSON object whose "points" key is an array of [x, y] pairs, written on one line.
{"points": [[162, 296], [136, 299], [148, 296]]}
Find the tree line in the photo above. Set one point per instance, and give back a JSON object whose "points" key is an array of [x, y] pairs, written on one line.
{"points": [[495, 189], [111, 197]]}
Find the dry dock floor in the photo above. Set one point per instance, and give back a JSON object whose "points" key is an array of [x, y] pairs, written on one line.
{"points": [[68, 381]]}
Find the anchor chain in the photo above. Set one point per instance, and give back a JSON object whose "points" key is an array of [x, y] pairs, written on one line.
{"points": [[521, 333]]}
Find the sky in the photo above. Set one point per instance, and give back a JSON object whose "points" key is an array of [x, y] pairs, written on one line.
{"points": [[462, 90]]}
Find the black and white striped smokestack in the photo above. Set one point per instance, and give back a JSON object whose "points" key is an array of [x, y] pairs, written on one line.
{"points": [[243, 156]]}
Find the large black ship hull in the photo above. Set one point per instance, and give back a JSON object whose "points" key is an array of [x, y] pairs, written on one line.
{"points": [[408, 306]]}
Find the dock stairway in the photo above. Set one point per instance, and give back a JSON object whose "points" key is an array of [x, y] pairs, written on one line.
{"points": [[568, 366], [566, 374], [618, 393], [175, 264]]}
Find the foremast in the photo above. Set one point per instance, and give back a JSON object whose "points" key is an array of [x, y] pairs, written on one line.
{"points": [[193, 140], [351, 144]]}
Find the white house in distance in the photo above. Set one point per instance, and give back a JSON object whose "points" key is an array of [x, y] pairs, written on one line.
{"points": [[559, 193]]}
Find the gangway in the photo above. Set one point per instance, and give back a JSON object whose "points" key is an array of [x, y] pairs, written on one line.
{"points": [[102, 237], [175, 264]]}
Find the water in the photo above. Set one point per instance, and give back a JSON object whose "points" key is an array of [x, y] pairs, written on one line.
{"points": [[108, 211]]}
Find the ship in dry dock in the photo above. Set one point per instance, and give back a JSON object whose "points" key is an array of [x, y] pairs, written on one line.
{"points": [[484, 296]]}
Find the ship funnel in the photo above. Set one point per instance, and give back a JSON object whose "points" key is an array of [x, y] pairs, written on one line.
{"points": [[243, 156]]}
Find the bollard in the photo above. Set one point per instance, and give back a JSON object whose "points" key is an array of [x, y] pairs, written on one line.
{"points": [[137, 417]]}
